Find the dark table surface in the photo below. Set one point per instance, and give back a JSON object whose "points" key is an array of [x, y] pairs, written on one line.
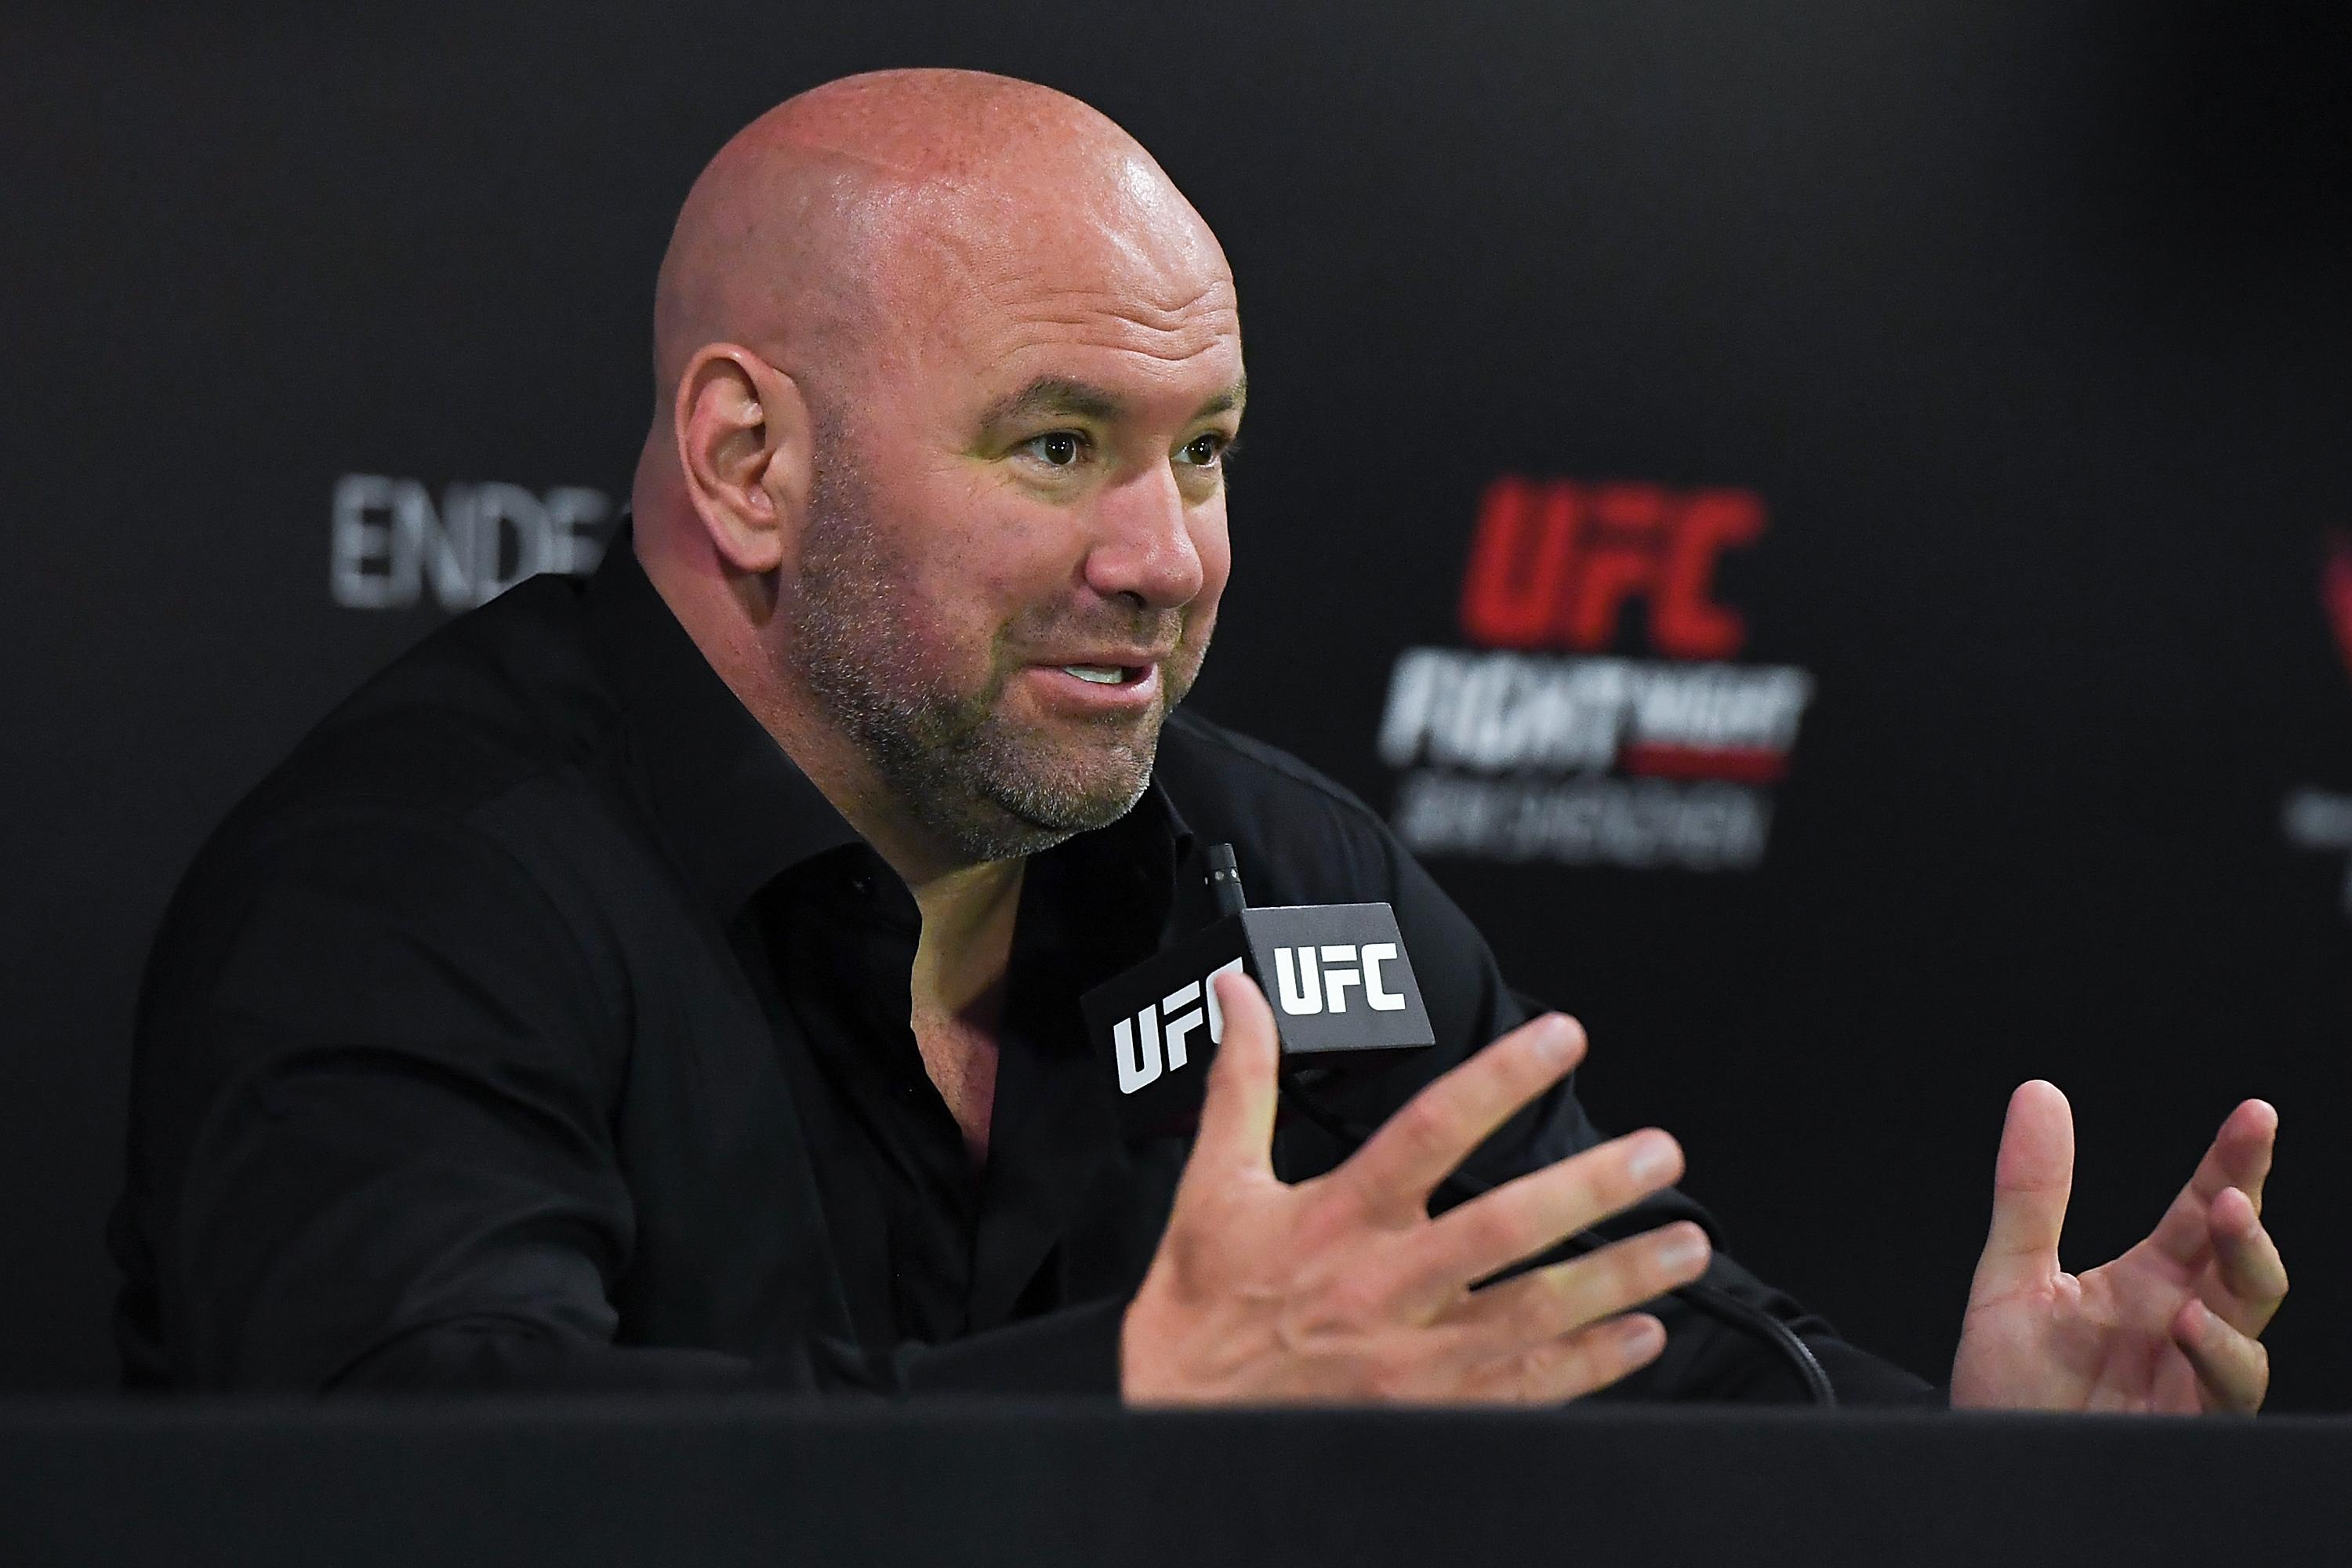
{"points": [[744, 1481]]}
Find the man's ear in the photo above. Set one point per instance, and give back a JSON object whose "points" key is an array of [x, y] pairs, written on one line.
{"points": [[743, 447]]}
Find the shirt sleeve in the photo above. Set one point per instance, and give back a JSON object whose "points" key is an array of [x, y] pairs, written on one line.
{"points": [[373, 1148], [370, 1122]]}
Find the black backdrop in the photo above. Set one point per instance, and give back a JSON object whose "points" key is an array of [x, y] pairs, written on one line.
{"points": [[2027, 323]]}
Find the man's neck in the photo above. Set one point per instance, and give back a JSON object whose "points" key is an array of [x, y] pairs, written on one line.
{"points": [[956, 992], [967, 941]]}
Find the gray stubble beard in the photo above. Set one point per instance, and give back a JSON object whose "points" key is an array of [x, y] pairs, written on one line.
{"points": [[986, 789]]}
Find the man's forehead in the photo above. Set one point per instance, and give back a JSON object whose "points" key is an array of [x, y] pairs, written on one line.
{"points": [[1037, 350], [1018, 312]]}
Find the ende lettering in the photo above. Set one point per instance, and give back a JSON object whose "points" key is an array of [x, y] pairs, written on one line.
{"points": [[386, 539]]}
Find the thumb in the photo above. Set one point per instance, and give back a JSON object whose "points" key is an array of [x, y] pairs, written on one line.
{"points": [[1238, 1104], [2032, 1179]]}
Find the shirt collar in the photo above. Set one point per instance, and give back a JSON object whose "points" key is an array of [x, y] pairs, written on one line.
{"points": [[733, 807]]}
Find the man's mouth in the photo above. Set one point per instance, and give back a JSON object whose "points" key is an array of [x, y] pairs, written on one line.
{"points": [[1106, 674]]}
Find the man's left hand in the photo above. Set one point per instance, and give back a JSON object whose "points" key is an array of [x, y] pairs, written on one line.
{"points": [[2175, 1324]]}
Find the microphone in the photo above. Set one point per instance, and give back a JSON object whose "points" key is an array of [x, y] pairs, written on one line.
{"points": [[1148, 1023], [1337, 976]]}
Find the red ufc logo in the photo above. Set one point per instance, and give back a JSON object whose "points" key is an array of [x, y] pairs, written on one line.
{"points": [[1554, 562], [2335, 592]]}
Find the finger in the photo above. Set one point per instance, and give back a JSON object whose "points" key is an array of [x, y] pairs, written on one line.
{"points": [[2233, 1371], [2241, 1154], [2240, 1157], [1392, 1174], [1572, 1365], [1534, 1212], [1548, 1302], [2247, 1269], [1237, 1106], [2032, 1178]]}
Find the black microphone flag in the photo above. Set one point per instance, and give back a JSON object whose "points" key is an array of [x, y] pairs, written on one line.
{"points": [[1337, 975]]}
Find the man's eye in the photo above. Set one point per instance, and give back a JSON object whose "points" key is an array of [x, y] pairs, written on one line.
{"points": [[1203, 450], [1058, 449]]}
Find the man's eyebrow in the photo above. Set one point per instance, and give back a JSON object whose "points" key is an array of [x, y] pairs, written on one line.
{"points": [[1058, 396], [1225, 402], [1053, 396]]}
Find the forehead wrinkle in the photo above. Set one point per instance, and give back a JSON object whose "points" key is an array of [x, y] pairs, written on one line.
{"points": [[1198, 326], [1094, 318], [1171, 353], [1212, 297], [946, 318]]}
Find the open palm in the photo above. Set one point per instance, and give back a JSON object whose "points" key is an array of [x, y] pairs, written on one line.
{"points": [[2174, 1324]]}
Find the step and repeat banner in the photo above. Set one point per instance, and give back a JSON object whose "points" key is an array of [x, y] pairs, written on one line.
{"points": [[1830, 532]]}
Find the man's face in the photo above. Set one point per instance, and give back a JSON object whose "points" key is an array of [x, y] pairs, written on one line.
{"points": [[1017, 537]]}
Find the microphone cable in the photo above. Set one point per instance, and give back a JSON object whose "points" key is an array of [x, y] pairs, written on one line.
{"points": [[1711, 1300], [1224, 881]]}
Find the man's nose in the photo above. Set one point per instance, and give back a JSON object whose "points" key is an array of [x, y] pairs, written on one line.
{"points": [[1144, 550]]}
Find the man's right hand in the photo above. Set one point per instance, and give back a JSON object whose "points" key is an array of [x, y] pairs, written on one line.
{"points": [[1343, 1288]]}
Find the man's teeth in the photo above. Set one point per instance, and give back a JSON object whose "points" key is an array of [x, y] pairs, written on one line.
{"points": [[1100, 674]]}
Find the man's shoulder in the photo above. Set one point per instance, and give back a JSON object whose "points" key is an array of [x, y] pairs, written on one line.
{"points": [[502, 696], [1302, 838]]}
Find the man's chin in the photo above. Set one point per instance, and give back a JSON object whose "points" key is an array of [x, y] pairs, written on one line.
{"points": [[1066, 808], [1026, 787], [1007, 824]]}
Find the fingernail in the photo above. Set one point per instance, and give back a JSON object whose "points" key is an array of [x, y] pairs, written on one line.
{"points": [[1553, 1038], [1681, 1249], [1653, 1156], [1641, 1335]]}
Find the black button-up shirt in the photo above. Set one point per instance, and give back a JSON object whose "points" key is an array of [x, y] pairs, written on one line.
{"points": [[538, 1024]]}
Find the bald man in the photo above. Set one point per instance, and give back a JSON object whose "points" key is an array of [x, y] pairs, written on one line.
{"points": [[669, 980]]}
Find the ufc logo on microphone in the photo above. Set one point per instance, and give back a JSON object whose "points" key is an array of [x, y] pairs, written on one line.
{"points": [[1338, 977], [1152, 1042], [1304, 991]]}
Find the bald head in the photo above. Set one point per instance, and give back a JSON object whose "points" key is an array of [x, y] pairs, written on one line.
{"points": [[862, 205], [947, 368]]}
